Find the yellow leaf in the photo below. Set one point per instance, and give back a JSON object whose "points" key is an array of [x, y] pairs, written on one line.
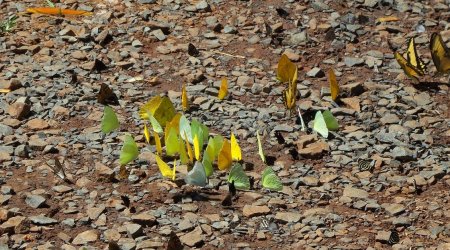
{"points": [[334, 87], [157, 143], [286, 70], [223, 91], [224, 159], [196, 148], [184, 99], [387, 19], [236, 153], [165, 170], [58, 11], [146, 133]]}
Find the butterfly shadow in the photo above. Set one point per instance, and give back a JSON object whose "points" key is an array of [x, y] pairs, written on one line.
{"points": [[195, 195], [429, 86]]}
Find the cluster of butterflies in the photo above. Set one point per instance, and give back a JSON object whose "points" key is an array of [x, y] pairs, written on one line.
{"points": [[287, 73], [184, 140], [415, 68]]}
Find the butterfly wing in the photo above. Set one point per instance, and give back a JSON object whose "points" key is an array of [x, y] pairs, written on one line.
{"points": [[330, 121], [106, 96], [197, 175], [171, 140], [224, 159], [440, 54], [334, 87], [109, 120], [270, 180], [236, 153], [320, 126], [223, 91], [238, 176], [260, 148], [129, 150], [409, 69], [184, 98], [164, 168], [286, 69], [413, 57]]}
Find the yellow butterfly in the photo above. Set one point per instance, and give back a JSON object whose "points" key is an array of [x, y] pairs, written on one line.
{"points": [[157, 143], [146, 134], [286, 69], [290, 93], [161, 108], [334, 87], [440, 54], [224, 159], [236, 154], [197, 148], [184, 99], [223, 91], [165, 170], [412, 65]]}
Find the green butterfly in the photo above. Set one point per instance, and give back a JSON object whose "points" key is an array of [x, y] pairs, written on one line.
{"points": [[172, 144], [185, 129], [237, 174], [155, 124], [325, 122], [197, 175], [129, 151], [270, 180], [109, 120]]}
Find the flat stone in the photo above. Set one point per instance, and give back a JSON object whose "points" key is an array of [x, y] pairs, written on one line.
{"points": [[288, 217], [395, 209], [193, 238], [42, 220], [85, 237], [250, 210], [355, 193], [94, 212], [37, 124], [13, 225], [134, 230], [35, 201], [144, 219]]}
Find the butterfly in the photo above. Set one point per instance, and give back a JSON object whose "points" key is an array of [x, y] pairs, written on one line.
{"points": [[192, 50], [412, 65], [394, 238], [236, 154], [174, 242], [238, 177], [290, 95], [109, 120], [324, 122], [440, 54], [197, 175], [129, 151], [334, 87], [224, 159], [165, 170], [223, 90], [161, 108], [366, 165], [270, 180], [58, 169], [260, 148], [184, 99], [106, 96]]}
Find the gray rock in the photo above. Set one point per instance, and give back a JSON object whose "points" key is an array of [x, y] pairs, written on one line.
{"points": [[5, 130], [42, 220], [315, 72], [403, 154], [298, 38], [394, 209], [353, 61], [35, 201], [134, 230]]}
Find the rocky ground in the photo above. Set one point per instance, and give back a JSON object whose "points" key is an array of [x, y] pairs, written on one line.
{"points": [[54, 67]]}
